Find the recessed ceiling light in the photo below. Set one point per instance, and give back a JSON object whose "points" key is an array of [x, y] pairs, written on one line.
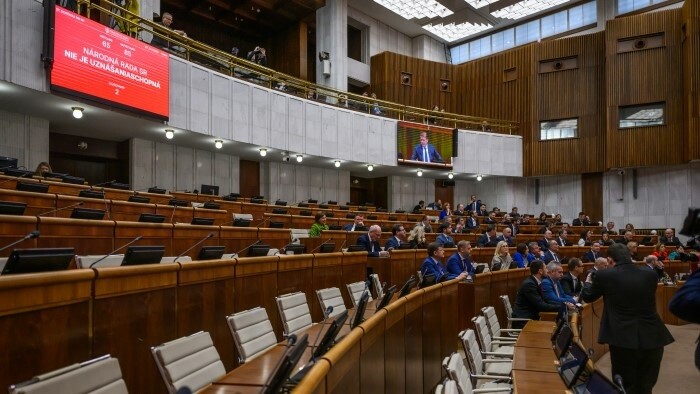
{"points": [[77, 112], [370, 167], [263, 152], [336, 163], [219, 144], [300, 158], [169, 133]]}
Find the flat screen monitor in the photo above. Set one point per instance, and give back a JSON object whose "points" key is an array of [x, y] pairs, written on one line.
{"points": [[87, 213], [91, 194], [419, 144], [563, 341], [360, 310], [256, 200], [289, 359], [428, 280], [202, 221], [118, 185], [174, 202], [361, 228], [356, 248], [156, 190], [328, 247], [12, 208], [303, 205], [480, 269], [35, 187], [211, 252], [279, 211], [57, 175], [406, 288], [18, 173], [211, 205], [276, 224], [496, 267], [312, 201], [334, 226], [241, 223], [258, 250], [405, 245], [572, 367], [329, 338], [151, 218], [7, 162], [281, 203], [295, 249], [304, 212], [139, 199], [26, 261], [210, 190], [513, 265], [138, 255], [75, 180], [597, 383], [387, 297]]}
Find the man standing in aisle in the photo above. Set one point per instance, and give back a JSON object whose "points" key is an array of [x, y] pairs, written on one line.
{"points": [[630, 324]]}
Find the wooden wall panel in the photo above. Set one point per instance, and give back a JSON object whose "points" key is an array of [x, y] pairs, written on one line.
{"points": [[691, 75], [641, 77], [570, 93], [592, 195]]}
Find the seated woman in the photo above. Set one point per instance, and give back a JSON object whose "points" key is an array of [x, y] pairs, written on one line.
{"points": [[446, 211], [501, 256], [605, 239], [319, 225], [417, 238], [520, 256], [557, 219], [585, 239], [660, 252], [42, 168], [542, 221]]}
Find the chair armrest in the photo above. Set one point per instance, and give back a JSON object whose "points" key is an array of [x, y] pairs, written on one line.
{"points": [[493, 390], [490, 360], [507, 342], [504, 340], [518, 319], [492, 377], [511, 330]]}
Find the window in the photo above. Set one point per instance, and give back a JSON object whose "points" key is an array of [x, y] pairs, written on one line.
{"points": [[357, 41], [558, 129], [625, 6], [642, 115]]}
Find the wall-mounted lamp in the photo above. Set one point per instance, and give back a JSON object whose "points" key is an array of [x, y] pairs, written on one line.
{"points": [[219, 144], [336, 163], [419, 172], [263, 152], [370, 167], [300, 158], [77, 112], [169, 133], [450, 175]]}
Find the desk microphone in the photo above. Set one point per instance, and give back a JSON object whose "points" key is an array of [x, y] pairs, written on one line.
{"points": [[327, 314], [33, 234], [116, 250], [319, 246], [61, 209], [263, 221], [618, 381], [211, 234], [343, 244], [172, 215], [247, 247]]}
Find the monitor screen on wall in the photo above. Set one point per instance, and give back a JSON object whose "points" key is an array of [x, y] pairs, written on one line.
{"points": [[424, 145], [92, 61]]}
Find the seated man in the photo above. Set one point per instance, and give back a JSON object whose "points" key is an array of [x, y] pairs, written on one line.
{"points": [[592, 254], [425, 222], [370, 242], [488, 238], [529, 301], [571, 281], [359, 222], [552, 290], [444, 238], [544, 243], [669, 238], [471, 222], [461, 261], [653, 263], [534, 253], [398, 233], [432, 265], [553, 253], [418, 208], [581, 220], [507, 236]]}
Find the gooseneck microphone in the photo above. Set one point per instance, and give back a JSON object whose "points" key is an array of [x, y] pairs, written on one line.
{"points": [[319, 246], [247, 247], [329, 310], [33, 234], [618, 381], [104, 183], [116, 250], [172, 215], [263, 221], [211, 234], [61, 209]]}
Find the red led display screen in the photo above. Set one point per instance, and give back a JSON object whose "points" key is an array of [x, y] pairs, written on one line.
{"points": [[95, 61]]}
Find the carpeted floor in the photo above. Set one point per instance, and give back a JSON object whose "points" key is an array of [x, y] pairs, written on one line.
{"points": [[678, 373]]}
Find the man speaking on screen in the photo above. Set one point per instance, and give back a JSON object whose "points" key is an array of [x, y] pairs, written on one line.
{"points": [[426, 152]]}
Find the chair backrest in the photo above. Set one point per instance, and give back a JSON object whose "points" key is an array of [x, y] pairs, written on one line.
{"points": [[294, 312], [252, 333], [508, 308], [451, 387], [459, 373], [471, 348], [356, 289], [298, 233], [482, 333], [101, 375], [101, 260], [377, 285], [331, 297], [190, 361], [492, 321]]}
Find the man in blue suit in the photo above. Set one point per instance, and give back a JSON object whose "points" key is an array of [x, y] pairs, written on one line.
{"points": [[426, 152], [432, 265], [551, 286], [370, 242], [444, 239], [553, 253], [461, 261], [592, 254], [398, 237]]}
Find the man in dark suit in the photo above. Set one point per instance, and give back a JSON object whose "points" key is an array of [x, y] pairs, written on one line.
{"points": [[544, 242], [370, 242], [582, 220], [669, 238], [488, 238], [461, 261], [474, 205], [634, 331], [432, 265], [571, 281], [419, 208], [426, 152], [530, 302], [507, 236], [592, 254], [553, 253], [563, 239], [398, 237], [358, 223], [444, 238]]}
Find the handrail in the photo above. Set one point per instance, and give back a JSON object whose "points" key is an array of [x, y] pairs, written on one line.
{"points": [[239, 67]]}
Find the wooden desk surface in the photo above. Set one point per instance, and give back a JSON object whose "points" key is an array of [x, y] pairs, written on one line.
{"points": [[230, 389], [526, 382], [534, 339], [540, 326], [257, 371], [534, 359]]}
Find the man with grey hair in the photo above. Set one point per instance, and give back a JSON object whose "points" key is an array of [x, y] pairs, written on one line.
{"points": [[371, 242], [653, 263], [551, 286], [553, 253], [535, 253], [634, 331], [600, 264]]}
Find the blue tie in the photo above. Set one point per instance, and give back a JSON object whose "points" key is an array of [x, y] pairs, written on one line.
{"points": [[425, 154]]}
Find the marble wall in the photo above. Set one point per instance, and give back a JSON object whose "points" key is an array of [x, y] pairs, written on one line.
{"points": [[21, 37], [489, 154], [406, 191], [25, 138], [293, 183]]}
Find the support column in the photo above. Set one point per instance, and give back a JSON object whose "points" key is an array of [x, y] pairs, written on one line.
{"points": [[331, 37]]}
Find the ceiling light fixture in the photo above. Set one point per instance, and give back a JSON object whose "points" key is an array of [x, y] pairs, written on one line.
{"points": [[452, 32], [300, 158], [418, 9], [370, 167], [77, 112], [219, 144], [479, 178], [336, 163], [524, 8], [450, 175], [263, 152], [419, 172], [169, 133]]}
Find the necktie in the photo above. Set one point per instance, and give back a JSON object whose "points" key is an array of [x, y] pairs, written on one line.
{"points": [[425, 154], [556, 288], [555, 257], [539, 288]]}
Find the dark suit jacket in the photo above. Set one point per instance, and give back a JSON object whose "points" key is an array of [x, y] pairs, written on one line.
{"points": [[670, 241], [509, 241], [578, 222], [627, 324], [588, 257], [392, 243], [549, 256], [365, 241], [431, 267], [567, 283], [529, 301], [485, 240], [686, 303], [544, 244], [432, 152]]}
